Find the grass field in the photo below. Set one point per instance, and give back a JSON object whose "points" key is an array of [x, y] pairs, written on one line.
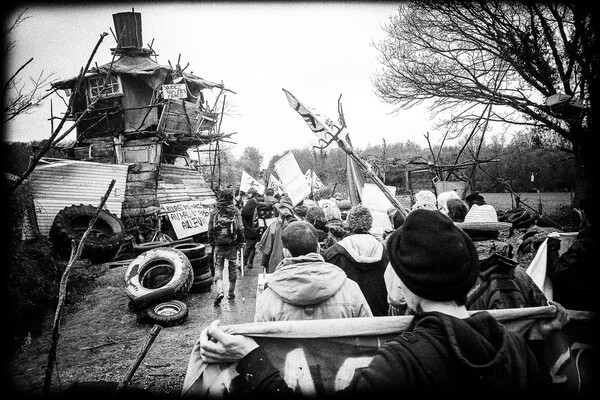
{"points": [[550, 202]]}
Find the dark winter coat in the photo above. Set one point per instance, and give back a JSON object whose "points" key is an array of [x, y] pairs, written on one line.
{"points": [[363, 259], [573, 273], [250, 228]]}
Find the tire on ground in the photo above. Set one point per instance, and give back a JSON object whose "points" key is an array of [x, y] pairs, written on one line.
{"points": [[203, 286], [201, 270], [157, 296], [143, 247], [156, 269], [191, 250], [203, 277], [199, 262], [168, 313], [104, 239]]}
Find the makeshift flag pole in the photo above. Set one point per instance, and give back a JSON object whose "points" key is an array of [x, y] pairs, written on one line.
{"points": [[327, 132]]}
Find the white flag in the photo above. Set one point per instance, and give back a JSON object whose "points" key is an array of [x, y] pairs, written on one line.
{"points": [[247, 182], [313, 179], [322, 126], [275, 184]]}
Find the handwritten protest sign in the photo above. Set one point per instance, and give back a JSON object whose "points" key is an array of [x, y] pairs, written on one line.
{"points": [[177, 91], [188, 218]]}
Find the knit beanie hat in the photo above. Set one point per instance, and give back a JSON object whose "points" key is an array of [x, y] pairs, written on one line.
{"points": [[432, 256], [359, 219]]}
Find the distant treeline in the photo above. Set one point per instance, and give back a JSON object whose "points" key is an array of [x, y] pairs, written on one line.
{"points": [[506, 164]]}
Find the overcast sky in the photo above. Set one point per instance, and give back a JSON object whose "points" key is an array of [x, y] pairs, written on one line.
{"points": [[317, 51]]}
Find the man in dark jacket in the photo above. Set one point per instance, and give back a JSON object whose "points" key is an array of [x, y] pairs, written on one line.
{"points": [[443, 351], [251, 229], [573, 272], [362, 257]]}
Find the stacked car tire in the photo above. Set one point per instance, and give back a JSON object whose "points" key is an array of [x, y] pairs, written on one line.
{"points": [[156, 281], [200, 261]]}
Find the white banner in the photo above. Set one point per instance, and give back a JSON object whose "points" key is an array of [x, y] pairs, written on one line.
{"points": [[292, 178], [287, 168], [247, 182], [373, 198], [188, 218]]}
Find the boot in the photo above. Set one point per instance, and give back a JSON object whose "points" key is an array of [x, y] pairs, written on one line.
{"points": [[219, 292], [231, 294]]}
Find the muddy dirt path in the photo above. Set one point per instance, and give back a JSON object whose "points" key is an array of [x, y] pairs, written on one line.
{"points": [[100, 338]]}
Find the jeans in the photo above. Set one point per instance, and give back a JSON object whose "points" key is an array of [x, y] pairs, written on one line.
{"points": [[250, 251], [221, 254]]}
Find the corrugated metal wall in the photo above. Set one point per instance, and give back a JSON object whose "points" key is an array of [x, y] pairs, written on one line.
{"points": [[181, 184], [57, 184]]}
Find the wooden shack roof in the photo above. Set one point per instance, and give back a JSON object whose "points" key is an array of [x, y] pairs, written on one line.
{"points": [[142, 66]]}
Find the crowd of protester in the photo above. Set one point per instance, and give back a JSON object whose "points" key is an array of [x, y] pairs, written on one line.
{"points": [[434, 261]]}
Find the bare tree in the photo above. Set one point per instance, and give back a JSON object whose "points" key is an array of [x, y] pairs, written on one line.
{"points": [[21, 95], [452, 55]]}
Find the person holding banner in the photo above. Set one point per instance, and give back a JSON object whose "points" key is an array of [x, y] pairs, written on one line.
{"points": [[445, 350], [304, 286]]}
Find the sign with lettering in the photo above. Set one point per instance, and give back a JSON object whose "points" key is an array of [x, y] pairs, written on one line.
{"points": [[177, 91], [188, 218]]}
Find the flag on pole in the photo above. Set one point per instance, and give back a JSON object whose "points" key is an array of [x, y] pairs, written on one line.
{"points": [[275, 184], [247, 182], [313, 179], [321, 125]]}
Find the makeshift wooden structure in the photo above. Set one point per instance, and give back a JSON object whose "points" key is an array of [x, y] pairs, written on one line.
{"points": [[133, 111]]}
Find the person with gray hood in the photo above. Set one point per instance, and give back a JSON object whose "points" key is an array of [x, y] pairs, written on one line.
{"points": [[362, 257], [304, 286], [444, 351]]}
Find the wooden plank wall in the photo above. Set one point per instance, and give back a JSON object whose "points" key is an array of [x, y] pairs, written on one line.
{"points": [[140, 193], [181, 184]]}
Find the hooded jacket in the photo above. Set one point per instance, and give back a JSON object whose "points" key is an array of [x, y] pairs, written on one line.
{"points": [[306, 287], [270, 244], [362, 258], [437, 354]]}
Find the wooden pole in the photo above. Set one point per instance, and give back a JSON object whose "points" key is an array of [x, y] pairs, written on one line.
{"points": [[62, 294], [153, 334], [350, 151]]}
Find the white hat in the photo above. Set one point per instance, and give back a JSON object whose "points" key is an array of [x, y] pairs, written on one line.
{"points": [[425, 196], [483, 218]]}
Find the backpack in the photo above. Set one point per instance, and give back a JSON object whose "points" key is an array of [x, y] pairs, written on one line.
{"points": [[224, 228], [501, 285]]}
